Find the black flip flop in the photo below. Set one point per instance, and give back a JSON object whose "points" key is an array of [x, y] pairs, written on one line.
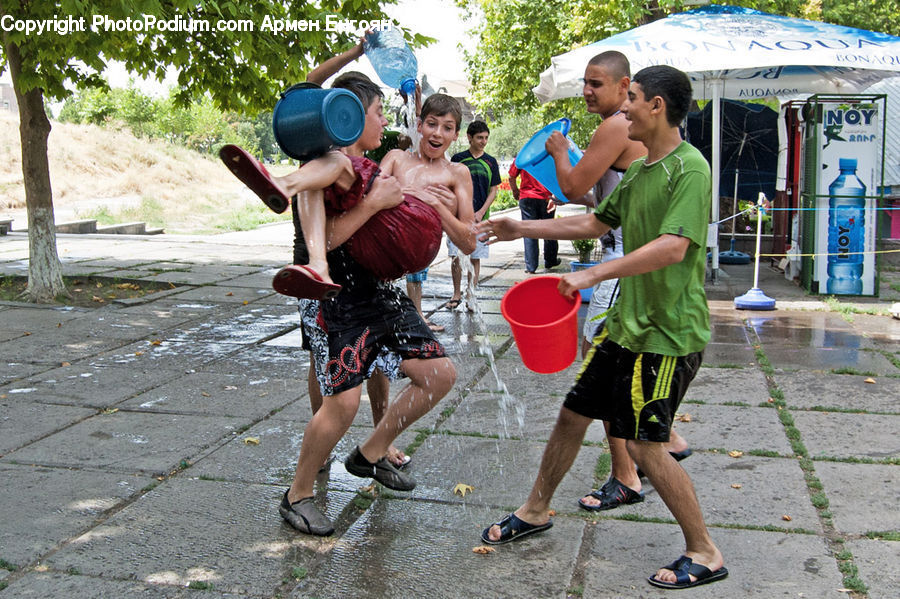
{"points": [[611, 495], [512, 528], [684, 567]]}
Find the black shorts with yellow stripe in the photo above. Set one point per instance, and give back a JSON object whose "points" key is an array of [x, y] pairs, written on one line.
{"points": [[637, 394]]}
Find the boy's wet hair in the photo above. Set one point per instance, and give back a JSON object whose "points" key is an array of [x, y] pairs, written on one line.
{"points": [[476, 127], [614, 62], [670, 84], [359, 84], [440, 105]]}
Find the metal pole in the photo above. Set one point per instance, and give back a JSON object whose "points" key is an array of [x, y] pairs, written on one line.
{"points": [[716, 164]]}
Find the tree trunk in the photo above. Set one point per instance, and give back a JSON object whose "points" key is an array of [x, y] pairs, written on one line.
{"points": [[44, 270]]}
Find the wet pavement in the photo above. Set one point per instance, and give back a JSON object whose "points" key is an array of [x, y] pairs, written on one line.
{"points": [[144, 446]]}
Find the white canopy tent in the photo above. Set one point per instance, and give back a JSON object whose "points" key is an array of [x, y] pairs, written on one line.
{"points": [[740, 53]]}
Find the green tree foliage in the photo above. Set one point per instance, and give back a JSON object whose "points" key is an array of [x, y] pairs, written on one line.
{"points": [[236, 68], [509, 135], [200, 126]]}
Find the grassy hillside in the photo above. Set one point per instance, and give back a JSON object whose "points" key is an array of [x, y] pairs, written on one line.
{"points": [[113, 176]]}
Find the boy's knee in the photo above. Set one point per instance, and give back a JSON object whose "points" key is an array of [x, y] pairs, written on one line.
{"points": [[444, 377], [638, 449], [451, 374], [343, 407]]}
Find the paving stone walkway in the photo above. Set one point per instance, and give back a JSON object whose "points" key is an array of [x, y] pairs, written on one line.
{"points": [[130, 464]]}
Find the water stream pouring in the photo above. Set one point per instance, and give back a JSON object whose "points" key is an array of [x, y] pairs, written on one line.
{"points": [[755, 299], [508, 404]]}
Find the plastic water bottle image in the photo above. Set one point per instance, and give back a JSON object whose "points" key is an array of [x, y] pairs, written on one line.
{"points": [[846, 230], [392, 59]]}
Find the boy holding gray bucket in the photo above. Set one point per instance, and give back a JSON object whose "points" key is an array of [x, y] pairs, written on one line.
{"points": [[637, 372]]}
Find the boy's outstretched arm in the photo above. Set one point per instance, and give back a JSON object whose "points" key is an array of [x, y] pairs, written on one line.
{"points": [[581, 226], [663, 251]]}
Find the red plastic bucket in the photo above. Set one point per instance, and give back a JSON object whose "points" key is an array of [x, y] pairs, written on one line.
{"points": [[543, 322]]}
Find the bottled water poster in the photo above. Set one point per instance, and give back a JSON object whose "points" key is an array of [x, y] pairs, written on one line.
{"points": [[850, 136]]}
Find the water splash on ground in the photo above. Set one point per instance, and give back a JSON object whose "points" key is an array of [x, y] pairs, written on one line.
{"points": [[507, 402]]}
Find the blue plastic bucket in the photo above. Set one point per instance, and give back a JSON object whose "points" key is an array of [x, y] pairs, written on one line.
{"points": [[539, 164], [309, 121]]}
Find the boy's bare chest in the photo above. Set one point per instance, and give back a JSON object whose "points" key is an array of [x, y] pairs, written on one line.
{"points": [[417, 174]]}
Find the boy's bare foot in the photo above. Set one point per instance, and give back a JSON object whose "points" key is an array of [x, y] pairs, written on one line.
{"points": [[435, 328], [396, 457]]}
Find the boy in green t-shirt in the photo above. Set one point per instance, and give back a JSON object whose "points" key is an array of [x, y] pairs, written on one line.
{"points": [[638, 371]]}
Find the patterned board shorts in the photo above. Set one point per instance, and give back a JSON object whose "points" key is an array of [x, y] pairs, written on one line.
{"points": [[343, 359]]}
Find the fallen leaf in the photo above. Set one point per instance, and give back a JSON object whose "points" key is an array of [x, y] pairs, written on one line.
{"points": [[230, 388], [110, 410], [204, 394], [99, 300], [771, 400], [736, 486], [370, 489], [735, 453], [139, 353], [131, 286], [111, 296], [870, 380], [65, 364], [156, 342], [160, 478], [246, 302], [552, 512], [229, 294], [683, 417], [41, 568], [58, 325], [483, 549], [251, 440], [27, 333], [786, 518], [461, 489], [77, 290]]}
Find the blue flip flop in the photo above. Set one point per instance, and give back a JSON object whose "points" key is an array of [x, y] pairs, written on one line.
{"points": [[512, 528], [684, 567]]}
